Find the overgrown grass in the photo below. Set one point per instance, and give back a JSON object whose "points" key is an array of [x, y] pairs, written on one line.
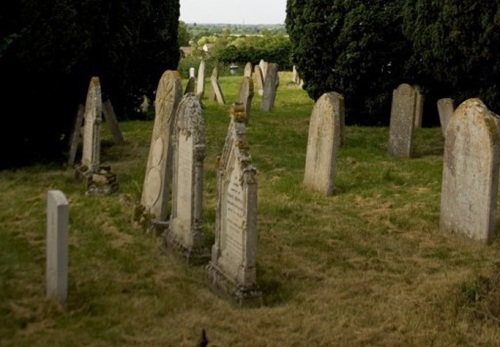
{"points": [[365, 267]]}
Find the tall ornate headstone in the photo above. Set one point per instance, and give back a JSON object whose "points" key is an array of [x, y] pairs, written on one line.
{"points": [[232, 269], [323, 142], [248, 70], [470, 172], [91, 156], [445, 109], [200, 87], [155, 192], [215, 74], [259, 79], [271, 83], [245, 95], [402, 121], [184, 235]]}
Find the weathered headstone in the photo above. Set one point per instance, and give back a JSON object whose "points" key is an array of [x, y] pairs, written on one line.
{"points": [[219, 96], [91, 156], [263, 67], [402, 121], [192, 72], [245, 95], [215, 74], [248, 70], [184, 235], [155, 192], [323, 142], [470, 172], [295, 76], [112, 122], [190, 86], [74, 139], [232, 269], [200, 87], [271, 83], [259, 79], [445, 109], [419, 107], [56, 272]]}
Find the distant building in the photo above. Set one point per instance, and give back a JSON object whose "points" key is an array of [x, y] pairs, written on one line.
{"points": [[186, 51]]}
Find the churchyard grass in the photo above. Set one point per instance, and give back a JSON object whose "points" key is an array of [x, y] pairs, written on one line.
{"points": [[366, 266]]}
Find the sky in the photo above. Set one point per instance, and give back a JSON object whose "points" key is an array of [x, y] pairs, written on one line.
{"points": [[233, 11]]}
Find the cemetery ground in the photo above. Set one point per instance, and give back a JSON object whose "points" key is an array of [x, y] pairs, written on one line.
{"points": [[367, 266]]}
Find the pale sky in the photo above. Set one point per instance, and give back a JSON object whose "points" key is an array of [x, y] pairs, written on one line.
{"points": [[233, 11]]}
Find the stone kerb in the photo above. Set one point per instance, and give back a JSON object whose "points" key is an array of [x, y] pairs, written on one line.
{"points": [[184, 235], [156, 187], [323, 142], [232, 269], [402, 121], [470, 172]]}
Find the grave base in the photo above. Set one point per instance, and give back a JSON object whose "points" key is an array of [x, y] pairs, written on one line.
{"points": [[224, 287], [100, 182], [192, 256]]}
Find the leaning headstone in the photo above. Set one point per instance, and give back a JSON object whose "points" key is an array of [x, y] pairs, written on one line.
{"points": [[56, 272], [74, 139], [215, 74], [402, 121], [112, 122], [184, 235], [271, 83], [200, 87], [445, 109], [232, 269], [245, 95], [190, 86], [470, 172], [192, 72], [259, 79], [217, 90], [419, 106], [156, 188], [323, 142], [248, 70]]}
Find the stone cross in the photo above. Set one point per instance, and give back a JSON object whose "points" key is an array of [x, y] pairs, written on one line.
{"points": [[445, 109], [200, 87], [402, 121], [232, 269], [323, 142], [57, 246], [91, 156], [470, 172], [155, 192], [271, 83], [184, 235], [245, 95], [248, 70]]}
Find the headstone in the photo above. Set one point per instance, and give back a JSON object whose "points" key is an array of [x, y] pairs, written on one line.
{"points": [[184, 235], [294, 75], [245, 95], [56, 272], [419, 107], [74, 139], [323, 142], [263, 67], [470, 172], [215, 74], [445, 109], [217, 91], [200, 87], [190, 86], [192, 72], [248, 70], [402, 121], [156, 189], [91, 156], [271, 83], [112, 122], [232, 269], [259, 79]]}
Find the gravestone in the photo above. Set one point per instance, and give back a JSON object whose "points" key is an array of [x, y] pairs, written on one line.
{"points": [[419, 107], [156, 188], [112, 122], [56, 271], [200, 87], [263, 67], [402, 121], [323, 142], [470, 172], [259, 79], [245, 95], [192, 72], [74, 139], [295, 76], [248, 70], [190, 86], [271, 83], [232, 269], [215, 74], [217, 90], [184, 235], [91, 156], [445, 109]]}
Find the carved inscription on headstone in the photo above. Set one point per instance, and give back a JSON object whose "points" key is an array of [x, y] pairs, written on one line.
{"points": [[402, 121]]}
